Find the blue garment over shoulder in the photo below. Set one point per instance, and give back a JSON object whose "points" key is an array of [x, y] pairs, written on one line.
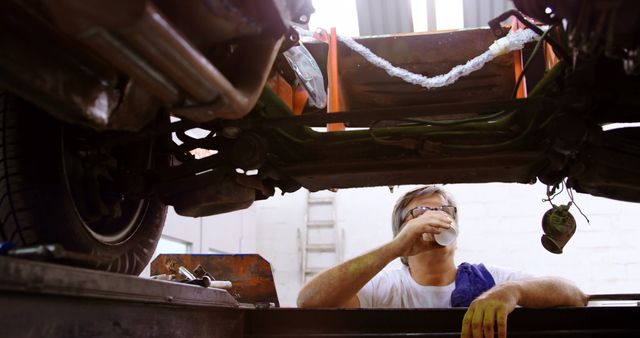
{"points": [[471, 281]]}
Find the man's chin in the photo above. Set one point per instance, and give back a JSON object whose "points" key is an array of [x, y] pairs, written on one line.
{"points": [[437, 249]]}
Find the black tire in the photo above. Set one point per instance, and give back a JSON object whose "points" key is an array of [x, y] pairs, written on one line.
{"points": [[39, 203]]}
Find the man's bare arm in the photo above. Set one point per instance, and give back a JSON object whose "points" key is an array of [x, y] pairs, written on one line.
{"points": [[548, 292], [338, 286], [495, 305]]}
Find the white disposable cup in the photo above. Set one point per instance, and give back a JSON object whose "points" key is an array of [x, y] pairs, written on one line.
{"points": [[446, 236]]}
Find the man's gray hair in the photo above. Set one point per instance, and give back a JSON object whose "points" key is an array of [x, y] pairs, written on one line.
{"points": [[399, 212]]}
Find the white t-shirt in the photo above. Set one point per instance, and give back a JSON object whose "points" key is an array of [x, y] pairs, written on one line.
{"points": [[397, 289]]}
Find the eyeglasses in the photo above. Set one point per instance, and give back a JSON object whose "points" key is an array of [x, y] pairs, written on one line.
{"points": [[419, 210]]}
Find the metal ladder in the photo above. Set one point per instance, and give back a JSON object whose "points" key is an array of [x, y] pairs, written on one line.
{"points": [[321, 241]]}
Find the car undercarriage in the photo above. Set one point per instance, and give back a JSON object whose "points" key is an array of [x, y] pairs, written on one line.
{"points": [[108, 97]]}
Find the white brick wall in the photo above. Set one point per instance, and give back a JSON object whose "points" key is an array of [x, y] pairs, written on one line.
{"points": [[601, 257], [233, 232], [279, 221]]}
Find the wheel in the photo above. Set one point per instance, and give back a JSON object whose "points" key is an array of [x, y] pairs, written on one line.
{"points": [[60, 184]]}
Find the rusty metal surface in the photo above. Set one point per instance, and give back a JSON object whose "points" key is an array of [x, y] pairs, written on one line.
{"points": [[33, 316], [212, 21], [128, 61], [250, 274], [56, 75], [18, 275], [48, 300], [164, 47], [146, 46], [39, 65], [93, 24], [220, 74], [365, 86], [137, 108], [208, 22]]}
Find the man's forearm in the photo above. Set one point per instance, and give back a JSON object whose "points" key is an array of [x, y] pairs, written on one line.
{"points": [[549, 292], [336, 286], [493, 306]]}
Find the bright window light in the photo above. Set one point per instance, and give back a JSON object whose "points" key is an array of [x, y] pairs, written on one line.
{"points": [[419, 15], [172, 245], [449, 14], [612, 126], [324, 129], [341, 14]]}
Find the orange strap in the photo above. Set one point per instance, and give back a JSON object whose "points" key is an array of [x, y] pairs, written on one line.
{"points": [[335, 102], [518, 64]]}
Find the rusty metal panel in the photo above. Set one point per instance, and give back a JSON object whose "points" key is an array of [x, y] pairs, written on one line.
{"points": [[250, 274], [366, 86], [50, 300], [19, 275], [35, 316], [49, 71]]}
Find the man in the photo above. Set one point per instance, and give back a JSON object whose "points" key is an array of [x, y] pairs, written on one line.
{"points": [[430, 278]]}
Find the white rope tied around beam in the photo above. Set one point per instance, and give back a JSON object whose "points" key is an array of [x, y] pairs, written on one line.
{"points": [[515, 40]]}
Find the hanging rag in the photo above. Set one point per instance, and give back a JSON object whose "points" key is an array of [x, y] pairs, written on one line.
{"points": [[471, 281]]}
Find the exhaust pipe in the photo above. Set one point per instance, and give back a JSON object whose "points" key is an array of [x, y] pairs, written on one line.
{"points": [[137, 39]]}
